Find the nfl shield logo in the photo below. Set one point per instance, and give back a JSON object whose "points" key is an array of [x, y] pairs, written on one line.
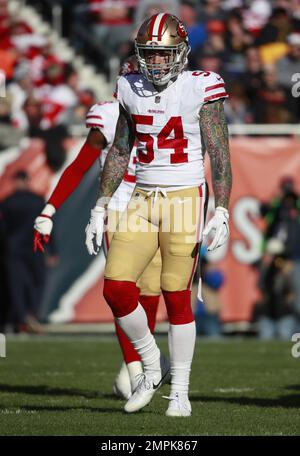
{"points": [[157, 99]]}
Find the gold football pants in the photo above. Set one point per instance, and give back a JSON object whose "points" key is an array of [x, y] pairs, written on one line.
{"points": [[171, 223], [149, 281]]}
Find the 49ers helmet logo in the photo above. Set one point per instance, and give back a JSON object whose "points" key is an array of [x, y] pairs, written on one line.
{"points": [[181, 30]]}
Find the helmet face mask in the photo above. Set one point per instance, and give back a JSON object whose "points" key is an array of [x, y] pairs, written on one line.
{"points": [[163, 56], [159, 71]]}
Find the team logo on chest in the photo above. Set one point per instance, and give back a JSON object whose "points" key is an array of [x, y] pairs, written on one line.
{"points": [[157, 99]]}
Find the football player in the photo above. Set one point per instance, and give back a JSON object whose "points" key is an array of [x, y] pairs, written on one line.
{"points": [[101, 120], [174, 115]]}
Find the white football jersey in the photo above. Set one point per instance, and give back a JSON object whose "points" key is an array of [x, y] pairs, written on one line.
{"points": [[104, 116], [169, 149]]}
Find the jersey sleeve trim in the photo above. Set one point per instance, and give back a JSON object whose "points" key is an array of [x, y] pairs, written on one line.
{"points": [[94, 125], [216, 86], [93, 120], [216, 96], [92, 116]]}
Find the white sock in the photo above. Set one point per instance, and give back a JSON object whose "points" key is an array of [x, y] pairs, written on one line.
{"points": [[149, 353], [134, 369], [135, 326], [182, 340]]}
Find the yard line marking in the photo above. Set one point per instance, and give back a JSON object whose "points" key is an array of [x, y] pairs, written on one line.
{"points": [[233, 390]]}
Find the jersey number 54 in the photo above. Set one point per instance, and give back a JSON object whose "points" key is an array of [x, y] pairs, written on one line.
{"points": [[177, 142]]}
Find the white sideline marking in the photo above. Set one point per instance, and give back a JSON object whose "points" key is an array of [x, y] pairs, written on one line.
{"points": [[16, 411], [233, 390]]}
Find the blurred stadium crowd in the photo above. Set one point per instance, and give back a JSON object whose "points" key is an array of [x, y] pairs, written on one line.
{"points": [[42, 91], [254, 45]]}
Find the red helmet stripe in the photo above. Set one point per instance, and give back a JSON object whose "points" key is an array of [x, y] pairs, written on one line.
{"points": [[162, 23], [152, 26]]}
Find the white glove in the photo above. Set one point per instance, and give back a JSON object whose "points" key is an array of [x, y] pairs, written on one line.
{"points": [[94, 230], [219, 223], [43, 225]]}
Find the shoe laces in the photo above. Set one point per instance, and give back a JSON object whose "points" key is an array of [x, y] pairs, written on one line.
{"points": [[175, 402], [172, 398], [142, 382]]}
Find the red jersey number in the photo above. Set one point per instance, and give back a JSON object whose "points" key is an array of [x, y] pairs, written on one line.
{"points": [[201, 73], [144, 137], [177, 142]]}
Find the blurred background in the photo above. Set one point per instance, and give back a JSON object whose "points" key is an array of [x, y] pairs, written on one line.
{"points": [[59, 57]]}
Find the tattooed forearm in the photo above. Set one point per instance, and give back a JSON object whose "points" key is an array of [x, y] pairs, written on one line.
{"points": [[117, 158], [214, 132]]}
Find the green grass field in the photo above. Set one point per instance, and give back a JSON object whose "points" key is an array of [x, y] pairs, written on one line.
{"points": [[63, 386]]}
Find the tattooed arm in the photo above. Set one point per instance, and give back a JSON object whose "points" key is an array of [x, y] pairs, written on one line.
{"points": [[215, 137], [214, 132], [117, 158]]}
